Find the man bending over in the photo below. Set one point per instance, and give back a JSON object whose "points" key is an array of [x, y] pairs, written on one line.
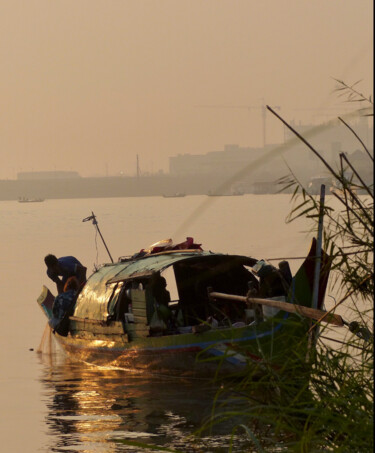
{"points": [[64, 267]]}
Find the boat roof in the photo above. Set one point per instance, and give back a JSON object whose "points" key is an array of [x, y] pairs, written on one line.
{"points": [[92, 301], [147, 265]]}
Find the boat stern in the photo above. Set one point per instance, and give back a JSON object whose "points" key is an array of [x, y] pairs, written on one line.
{"points": [[45, 301]]}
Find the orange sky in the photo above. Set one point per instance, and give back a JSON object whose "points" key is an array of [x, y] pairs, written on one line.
{"points": [[87, 85]]}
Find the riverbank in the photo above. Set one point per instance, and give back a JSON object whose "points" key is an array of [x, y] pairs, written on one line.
{"points": [[122, 186]]}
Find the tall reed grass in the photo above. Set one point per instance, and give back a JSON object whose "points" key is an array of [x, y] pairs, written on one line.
{"points": [[321, 401]]}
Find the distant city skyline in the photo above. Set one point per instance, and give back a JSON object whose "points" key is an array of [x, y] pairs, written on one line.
{"points": [[89, 85], [331, 140]]}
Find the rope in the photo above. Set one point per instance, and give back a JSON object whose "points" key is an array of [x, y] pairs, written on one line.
{"points": [[312, 257], [97, 250], [342, 342]]}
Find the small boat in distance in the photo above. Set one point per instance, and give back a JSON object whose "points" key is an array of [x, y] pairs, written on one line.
{"points": [[174, 195], [232, 193], [165, 309], [29, 200]]}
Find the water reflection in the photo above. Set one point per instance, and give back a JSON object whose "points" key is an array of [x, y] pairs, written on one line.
{"points": [[88, 407]]}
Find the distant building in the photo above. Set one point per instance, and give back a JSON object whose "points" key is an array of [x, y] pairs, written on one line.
{"points": [[38, 175], [227, 162], [333, 138], [261, 187], [262, 166]]}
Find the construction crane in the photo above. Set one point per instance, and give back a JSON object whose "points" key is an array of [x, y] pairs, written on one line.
{"points": [[262, 108], [328, 112]]}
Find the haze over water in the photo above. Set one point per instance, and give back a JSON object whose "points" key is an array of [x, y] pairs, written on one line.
{"points": [[50, 404], [89, 85]]}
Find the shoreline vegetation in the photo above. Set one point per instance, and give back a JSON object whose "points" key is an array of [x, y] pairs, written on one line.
{"points": [[323, 400]]}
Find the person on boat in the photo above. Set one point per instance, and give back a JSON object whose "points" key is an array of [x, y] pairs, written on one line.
{"points": [[160, 321], [160, 292], [64, 267], [63, 306], [271, 281]]}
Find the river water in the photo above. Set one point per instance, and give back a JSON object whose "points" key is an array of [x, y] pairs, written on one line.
{"points": [[50, 404]]}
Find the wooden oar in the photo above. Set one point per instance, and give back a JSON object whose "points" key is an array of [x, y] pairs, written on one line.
{"points": [[309, 312]]}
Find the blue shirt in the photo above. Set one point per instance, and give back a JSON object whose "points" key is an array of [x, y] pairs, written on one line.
{"points": [[69, 266]]}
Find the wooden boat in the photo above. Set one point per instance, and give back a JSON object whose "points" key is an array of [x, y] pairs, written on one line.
{"points": [[118, 318], [30, 200], [175, 195]]}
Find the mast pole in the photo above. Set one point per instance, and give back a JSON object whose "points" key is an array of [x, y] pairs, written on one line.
{"points": [[95, 223], [318, 253]]}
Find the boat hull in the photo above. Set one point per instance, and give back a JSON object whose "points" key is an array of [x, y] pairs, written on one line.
{"points": [[219, 351]]}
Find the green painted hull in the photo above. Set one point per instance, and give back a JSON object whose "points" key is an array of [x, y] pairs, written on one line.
{"points": [[225, 350]]}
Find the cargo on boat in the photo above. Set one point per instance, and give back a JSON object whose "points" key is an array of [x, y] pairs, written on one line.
{"points": [[155, 310]]}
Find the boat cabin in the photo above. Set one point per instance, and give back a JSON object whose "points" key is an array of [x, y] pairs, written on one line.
{"points": [[168, 294]]}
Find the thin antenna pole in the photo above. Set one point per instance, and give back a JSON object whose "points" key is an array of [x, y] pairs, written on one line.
{"points": [[95, 223]]}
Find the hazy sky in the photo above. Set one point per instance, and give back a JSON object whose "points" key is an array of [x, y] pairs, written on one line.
{"points": [[87, 85]]}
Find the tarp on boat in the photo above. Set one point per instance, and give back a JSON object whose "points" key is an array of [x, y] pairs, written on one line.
{"points": [[95, 296], [154, 263], [92, 302]]}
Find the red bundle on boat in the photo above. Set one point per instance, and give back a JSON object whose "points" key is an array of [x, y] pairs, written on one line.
{"points": [[167, 244]]}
